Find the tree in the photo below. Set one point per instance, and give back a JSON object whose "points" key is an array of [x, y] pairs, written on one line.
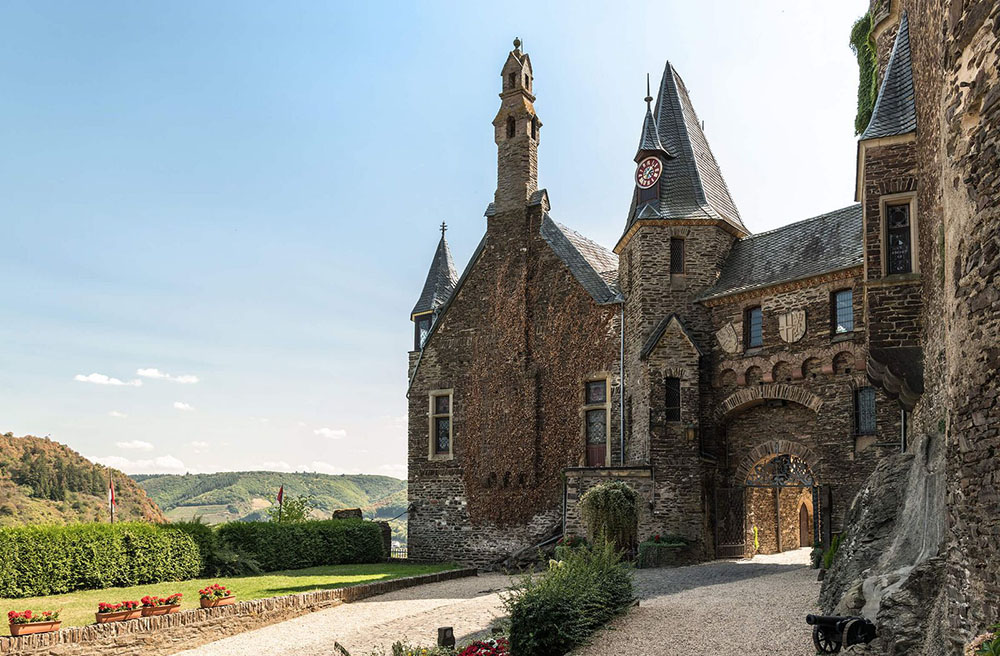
{"points": [[295, 509]]}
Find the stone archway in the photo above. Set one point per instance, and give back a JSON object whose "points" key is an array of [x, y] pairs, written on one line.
{"points": [[778, 487], [750, 396]]}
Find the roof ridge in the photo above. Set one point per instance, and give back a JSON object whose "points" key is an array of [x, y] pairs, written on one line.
{"points": [[800, 222], [566, 228]]}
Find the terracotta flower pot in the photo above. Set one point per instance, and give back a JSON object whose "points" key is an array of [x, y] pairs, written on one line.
{"points": [[149, 611], [220, 601], [33, 627], [120, 616]]}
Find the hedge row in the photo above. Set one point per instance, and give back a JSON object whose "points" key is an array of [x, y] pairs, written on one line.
{"points": [[44, 560], [277, 546]]}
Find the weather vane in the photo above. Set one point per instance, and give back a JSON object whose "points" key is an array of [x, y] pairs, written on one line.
{"points": [[649, 96], [444, 226]]}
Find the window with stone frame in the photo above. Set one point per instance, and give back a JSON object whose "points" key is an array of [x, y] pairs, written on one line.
{"points": [[864, 411], [421, 329], [441, 428], [842, 311], [673, 398], [753, 328], [898, 239], [596, 414], [676, 255], [511, 127]]}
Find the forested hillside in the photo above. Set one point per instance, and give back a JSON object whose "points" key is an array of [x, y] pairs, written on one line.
{"points": [[42, 481], [229, 496]]}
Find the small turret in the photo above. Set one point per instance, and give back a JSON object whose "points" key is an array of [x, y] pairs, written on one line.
{"points": [[440, 283], [516, 131]]}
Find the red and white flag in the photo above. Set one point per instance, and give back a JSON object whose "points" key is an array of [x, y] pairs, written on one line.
{"points": [[111, 491], [281, 494]]}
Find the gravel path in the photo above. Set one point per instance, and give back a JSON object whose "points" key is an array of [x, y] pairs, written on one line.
{"points": [[752, 608], [413, 615]]}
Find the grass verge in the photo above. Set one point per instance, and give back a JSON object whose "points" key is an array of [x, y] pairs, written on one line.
{"points": [[78, 608]]}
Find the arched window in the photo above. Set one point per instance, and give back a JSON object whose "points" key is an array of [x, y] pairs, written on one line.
{"points": [[511, 126], [513, 80]]}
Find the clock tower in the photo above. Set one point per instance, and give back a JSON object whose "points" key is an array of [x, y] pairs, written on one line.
{"points": [[516, 131]]}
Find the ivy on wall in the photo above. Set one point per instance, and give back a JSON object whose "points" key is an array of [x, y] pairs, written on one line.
{"points": [[865, 50]]}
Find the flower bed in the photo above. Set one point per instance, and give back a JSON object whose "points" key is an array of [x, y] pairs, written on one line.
{"points": [[27, 622], [216, 595]]}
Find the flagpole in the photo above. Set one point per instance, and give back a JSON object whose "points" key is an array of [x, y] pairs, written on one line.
{"points": [[111, 496]]}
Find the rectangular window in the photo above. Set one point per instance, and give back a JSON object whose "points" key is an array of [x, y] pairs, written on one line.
{"points": [[864, 411], [440, 427], [753, 328], [843, 311], [673, 406], [898, 252], [422, 328], [595, 414], [649, 194], [676, 255]]}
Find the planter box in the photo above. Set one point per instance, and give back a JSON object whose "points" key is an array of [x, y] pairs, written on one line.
{"points": [[221, 601], [664, 554], [120, 616], [33, 627], [150, 611]]}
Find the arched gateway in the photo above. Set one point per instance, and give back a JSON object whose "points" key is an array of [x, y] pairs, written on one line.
{"points": [[772, 508]]}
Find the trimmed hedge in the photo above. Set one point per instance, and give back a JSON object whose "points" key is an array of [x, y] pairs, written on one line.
{"points": [[559, 610], [278, 546], [206, 540], [44, 560]]}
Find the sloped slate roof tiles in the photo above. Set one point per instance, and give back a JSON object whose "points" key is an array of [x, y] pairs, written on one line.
{"points": [[895, 112]]}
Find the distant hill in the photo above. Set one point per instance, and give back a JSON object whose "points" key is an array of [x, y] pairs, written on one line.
{"points": [[245, 496], [45, 482]]}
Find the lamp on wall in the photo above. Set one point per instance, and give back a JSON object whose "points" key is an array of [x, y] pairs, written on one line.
{"points": [[691, 431]]}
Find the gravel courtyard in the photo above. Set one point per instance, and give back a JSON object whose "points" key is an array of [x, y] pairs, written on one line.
{"points": [[750, 607], [753, 607]]}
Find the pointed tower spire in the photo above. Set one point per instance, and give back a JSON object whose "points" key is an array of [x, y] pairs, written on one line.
{"points": [[649, 140], [516, 132], [894, 112], [441, 279]]}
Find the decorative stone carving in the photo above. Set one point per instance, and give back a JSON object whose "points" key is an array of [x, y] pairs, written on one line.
{"points": [[792, 325], [728, 338]]}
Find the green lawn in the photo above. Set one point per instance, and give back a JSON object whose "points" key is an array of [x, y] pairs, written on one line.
{"points": [[78, 608]]}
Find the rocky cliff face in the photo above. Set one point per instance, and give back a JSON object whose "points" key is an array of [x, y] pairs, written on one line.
{"points": [[920, 554]]}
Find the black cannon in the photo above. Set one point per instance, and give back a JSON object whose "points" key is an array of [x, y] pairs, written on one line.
{"points": [[831, 632]]}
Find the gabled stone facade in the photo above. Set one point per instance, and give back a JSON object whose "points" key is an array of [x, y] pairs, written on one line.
{"points": [[565, 364]]}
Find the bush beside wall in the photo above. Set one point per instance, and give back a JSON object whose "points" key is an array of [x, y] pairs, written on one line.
{"points": [[557, 611], [44, 560], [277, 546]]}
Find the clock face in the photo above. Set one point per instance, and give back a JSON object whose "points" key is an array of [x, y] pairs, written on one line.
{"points": [[648, 172]]}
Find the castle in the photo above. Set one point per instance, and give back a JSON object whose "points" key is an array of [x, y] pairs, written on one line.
{"points": [[745, 384]]}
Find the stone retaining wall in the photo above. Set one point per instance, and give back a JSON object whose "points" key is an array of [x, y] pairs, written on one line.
{"points": [[168, 634]]}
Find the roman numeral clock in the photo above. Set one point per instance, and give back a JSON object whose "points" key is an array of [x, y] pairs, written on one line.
{"points": [[648, 172]]}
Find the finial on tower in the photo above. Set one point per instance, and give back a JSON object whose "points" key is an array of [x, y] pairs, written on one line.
{"points": [[649, 96], [444, 226], [517, 43]]}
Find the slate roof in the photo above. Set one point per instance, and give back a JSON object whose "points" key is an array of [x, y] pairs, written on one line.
{"points": [[894, 112], [440, 282], [691, 185], [824, 243], [594, 267], [650, 139]]}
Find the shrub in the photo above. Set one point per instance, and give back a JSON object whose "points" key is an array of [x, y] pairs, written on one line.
{"points": [[567, 544], [611, 512], [45, 560], [206, 539], [816, 555], [665, 551], [830, 553], [277, 546], [552, 613]]}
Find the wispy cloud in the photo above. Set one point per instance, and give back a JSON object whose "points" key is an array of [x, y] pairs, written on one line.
{"points": [[138, 445], [185, 379], [399, 471], [200, 445], [259, 420], [160, 465], [101, 379], [326, 468], [117, 415], [186, 407], [331, 433]]}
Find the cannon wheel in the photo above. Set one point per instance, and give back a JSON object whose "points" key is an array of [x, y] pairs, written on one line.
{"points": [[824, 641]]}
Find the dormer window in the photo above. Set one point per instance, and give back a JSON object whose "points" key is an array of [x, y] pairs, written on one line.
{"points": [[421, 329], [511, 127]]}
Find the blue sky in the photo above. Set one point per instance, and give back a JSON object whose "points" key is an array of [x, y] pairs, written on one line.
{"points": [[248, 194]]}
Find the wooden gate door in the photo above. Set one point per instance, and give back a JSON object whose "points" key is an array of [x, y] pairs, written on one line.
{"points": [[730, 522], [803, 526]]}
